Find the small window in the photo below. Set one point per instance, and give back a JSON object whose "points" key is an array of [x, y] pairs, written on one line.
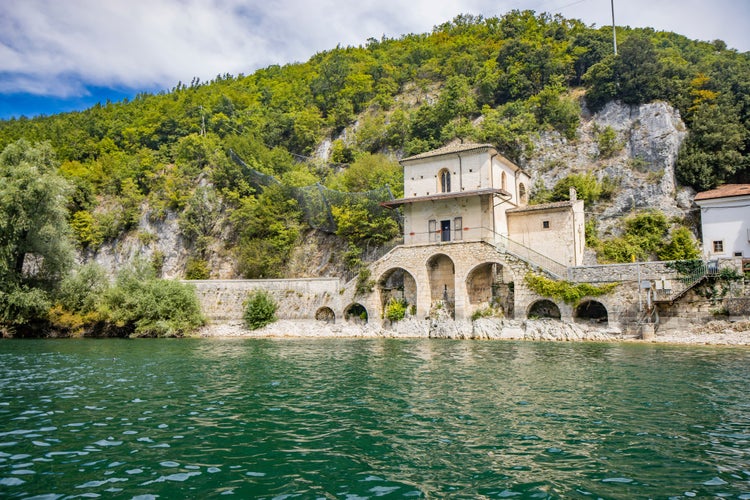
{"points": [[445, 181], [738, 254], [432, 230], [545, 224], [718, 246], [458, 228]]}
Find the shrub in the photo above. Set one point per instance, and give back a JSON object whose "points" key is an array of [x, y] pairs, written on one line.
{"points": [[146, 306], [197, 269], [260, 310], [608, 143], [395, 310]]}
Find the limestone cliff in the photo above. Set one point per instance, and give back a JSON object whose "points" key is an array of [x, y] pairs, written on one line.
{"points": [[640, 162]]}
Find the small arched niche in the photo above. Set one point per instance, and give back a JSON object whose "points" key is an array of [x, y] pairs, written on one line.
{"points": [[356, 313], [325, 315], [544, 309], [592, 311]]}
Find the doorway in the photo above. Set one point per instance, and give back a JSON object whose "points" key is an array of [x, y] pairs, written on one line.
{"points": [[445, 230]]}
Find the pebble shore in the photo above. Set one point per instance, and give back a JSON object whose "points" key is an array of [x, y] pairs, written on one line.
{"points": [[712, 333]]}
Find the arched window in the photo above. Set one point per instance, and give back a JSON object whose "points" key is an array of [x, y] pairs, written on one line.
{"points": [[522, 194], [445, 181], [504, 182]]}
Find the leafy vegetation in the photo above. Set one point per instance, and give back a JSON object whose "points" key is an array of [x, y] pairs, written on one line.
{"points": [[647, 236], [98, 172], [570, 293], [260, 310], [395, 309]]}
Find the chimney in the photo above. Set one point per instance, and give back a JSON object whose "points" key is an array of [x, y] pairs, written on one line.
{"points": [[573, 194]]}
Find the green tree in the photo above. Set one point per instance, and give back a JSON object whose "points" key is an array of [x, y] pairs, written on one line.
{"points": [[141, 305], [713, 151], [681, 246], [35, 248]]}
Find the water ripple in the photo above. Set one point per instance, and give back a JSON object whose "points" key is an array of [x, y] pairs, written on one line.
{"points": [[372, 418]]}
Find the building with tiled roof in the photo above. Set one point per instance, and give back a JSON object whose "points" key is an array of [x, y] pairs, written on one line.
{"points": [[725, 221], [471, 192]]}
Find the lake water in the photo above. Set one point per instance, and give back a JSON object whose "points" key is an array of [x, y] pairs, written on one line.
{"points": [[376, 418]]}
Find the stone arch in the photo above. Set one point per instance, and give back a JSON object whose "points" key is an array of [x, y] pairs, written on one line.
{"points": [[441, 272], [356, 313], [544, 308], [397, 283], [491, 284], [523, 198], [592, 311], [326, 315]]}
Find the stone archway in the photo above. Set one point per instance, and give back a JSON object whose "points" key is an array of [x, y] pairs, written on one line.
{"points": [[491, 285], [544, 309], [326, 315], [591, 311], [441, 272], [397, 284], [356, 313]]}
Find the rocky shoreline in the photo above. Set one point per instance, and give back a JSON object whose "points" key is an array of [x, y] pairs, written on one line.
{"points": [[712, 333]]}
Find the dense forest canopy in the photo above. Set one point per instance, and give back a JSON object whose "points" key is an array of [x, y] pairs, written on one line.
{"points": [[521, 73]]}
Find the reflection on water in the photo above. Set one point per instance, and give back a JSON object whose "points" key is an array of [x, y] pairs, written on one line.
{"points": [[372, 418]]}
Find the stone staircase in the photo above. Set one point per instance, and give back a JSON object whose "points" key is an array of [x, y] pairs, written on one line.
{"points": [[688, 281], [533, 258]]}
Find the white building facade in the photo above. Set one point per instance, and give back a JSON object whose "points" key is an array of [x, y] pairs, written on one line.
{"points": [[725, 221], [470, 192]]}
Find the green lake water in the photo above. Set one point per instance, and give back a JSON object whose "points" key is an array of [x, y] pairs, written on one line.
{"points": [[383, 418]]}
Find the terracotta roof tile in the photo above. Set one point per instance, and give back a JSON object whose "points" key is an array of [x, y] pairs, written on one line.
{"points": [[542, 206], [457, 147], [725, 191]]}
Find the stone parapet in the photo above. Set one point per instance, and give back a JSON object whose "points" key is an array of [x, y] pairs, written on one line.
{"points": [[223, 300]]}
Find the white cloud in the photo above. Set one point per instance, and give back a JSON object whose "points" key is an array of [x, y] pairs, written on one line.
{"points": [[50, 47]]}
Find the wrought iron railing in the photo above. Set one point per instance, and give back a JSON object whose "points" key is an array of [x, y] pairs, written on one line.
{"points": [[687, 280]]}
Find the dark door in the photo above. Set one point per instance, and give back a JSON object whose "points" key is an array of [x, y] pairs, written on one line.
{"points": [[445, 230]]}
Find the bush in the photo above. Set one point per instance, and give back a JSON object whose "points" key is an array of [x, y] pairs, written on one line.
{"points": [[146, 306], [197, 269], [395, 310], [260, 310], [608, 143]]}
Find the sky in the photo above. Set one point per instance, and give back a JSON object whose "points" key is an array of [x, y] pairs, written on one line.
{"points": [[58, 56]]}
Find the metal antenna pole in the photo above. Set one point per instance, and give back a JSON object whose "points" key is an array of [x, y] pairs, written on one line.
{"points": [[614, 31]]}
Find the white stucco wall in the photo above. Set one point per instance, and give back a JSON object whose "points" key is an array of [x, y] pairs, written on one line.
{"points": [[563, 241], [728, 221]]}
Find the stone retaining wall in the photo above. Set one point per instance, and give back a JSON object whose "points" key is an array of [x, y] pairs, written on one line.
{"points": [[223, 300]]}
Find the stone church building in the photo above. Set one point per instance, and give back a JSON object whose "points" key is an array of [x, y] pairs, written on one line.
{"points": [[470, 192]]}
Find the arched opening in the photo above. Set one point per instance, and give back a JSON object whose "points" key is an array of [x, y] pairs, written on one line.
{"points": [[445, 180], [399, 285], [491, 285], [544, 309], [326, 315], [442, 275], [356, 313], [522, 196], [504, 181], [591, 311]]}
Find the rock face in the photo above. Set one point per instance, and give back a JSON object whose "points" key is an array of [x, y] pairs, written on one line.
{"points": [[481, 329], [641, 164]]}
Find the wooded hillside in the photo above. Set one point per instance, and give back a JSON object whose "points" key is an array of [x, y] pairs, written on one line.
{"points": [[496, 80]]}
